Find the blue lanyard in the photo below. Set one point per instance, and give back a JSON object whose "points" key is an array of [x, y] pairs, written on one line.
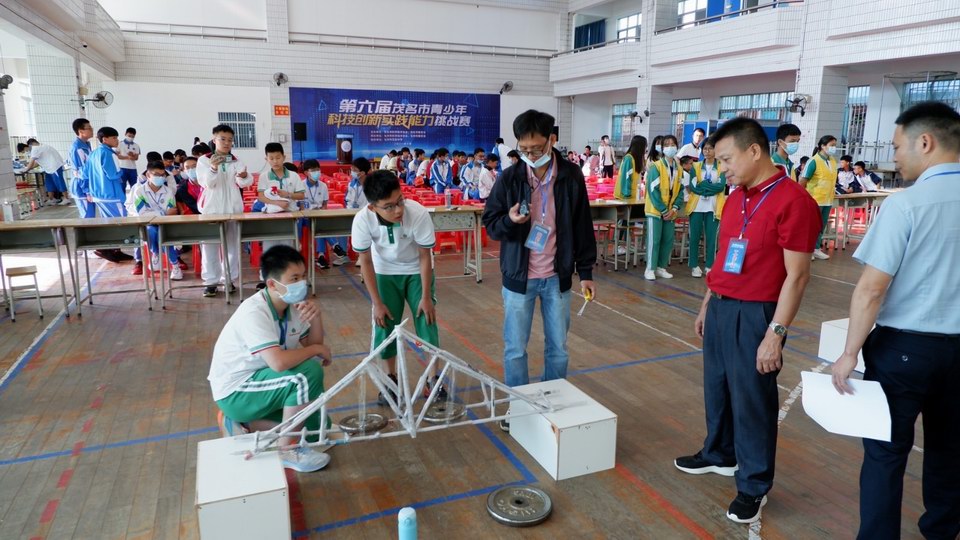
{"points": [[545, 192], [313, 193], [156, 201], [746, 218], [283, 333]]}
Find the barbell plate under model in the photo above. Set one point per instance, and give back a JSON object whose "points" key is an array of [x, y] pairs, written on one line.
{"points": [[519, 506]]}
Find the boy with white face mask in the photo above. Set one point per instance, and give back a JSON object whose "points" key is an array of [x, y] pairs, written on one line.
{"points": [[788, 144], [316, 197], [268, 361], [155, 198]]}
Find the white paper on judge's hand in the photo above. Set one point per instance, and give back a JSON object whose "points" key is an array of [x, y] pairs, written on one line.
{"points": [[864, 414]]}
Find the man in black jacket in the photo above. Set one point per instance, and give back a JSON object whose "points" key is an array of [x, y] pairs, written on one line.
{"points": [[540, 214]]}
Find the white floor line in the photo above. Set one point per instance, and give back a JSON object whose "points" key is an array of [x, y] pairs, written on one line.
{"points": [[641, 323], [834, 280]]}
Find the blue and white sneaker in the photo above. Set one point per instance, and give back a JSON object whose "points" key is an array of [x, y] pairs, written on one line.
{"points": [[230, 428], [304, 459]]}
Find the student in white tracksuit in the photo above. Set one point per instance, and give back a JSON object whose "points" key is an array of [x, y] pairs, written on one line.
{"points": [[220, 174]]}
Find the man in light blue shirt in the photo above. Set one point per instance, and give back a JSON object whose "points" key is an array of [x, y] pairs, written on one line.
{"points": [[909, 288]]}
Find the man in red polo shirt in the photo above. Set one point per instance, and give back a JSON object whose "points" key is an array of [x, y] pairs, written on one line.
{"points": [[766, 237]]}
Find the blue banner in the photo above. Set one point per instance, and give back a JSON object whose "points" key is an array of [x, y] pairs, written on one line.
{"points": [[381, 120]]}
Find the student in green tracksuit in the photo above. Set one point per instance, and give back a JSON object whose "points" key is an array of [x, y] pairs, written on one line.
{"points": [[788, 144], [662, 205], [706, 187]]}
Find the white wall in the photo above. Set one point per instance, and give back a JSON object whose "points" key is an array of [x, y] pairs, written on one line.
{"points": [[592, 115], [511, 105], [249, 14], [168, 116]]}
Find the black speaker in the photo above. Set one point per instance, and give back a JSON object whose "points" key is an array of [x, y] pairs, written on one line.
{"points": [[299, 131]]}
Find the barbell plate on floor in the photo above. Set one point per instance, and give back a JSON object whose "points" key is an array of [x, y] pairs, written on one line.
{"points": [[371, 422], [519, 506], [444, 411]]}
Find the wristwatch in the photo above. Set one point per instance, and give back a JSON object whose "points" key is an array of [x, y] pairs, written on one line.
{"points": [[778, 329]]}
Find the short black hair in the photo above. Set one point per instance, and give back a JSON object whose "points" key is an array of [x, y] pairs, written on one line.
{"points": [[31, 141], [130, 130], [392, 153], [379, 185], [362, 164], [665, 138], [290, 167], [605, 138], [153, 165], [200, 149], [154, 156], [417, 152], [847, 158], [310, 164], [168, 155], [404, 149], [499, 140], [478, 150], [273, 148], [588, 147], [685, 159], [189, 158], [787, 130], [933, 117], [275, 261], [179, 152], [745, 132], [78, 125], [442, 152], [513, 154], [106, 131], [493, 157], [533, 122], [701, 130], [22, 146], [860, 164], [222, 128]]}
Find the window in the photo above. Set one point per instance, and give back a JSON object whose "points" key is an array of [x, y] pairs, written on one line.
{"points": [[855, 115], [683, 111], [690, 11], [26, 103], [628, 28], [769, 106], [947, 91], [622, 124], [244, 127], [594, 33]]}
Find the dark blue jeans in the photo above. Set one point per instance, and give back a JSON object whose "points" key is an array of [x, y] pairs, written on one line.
{"points": [[919, 374], [741, 404]]}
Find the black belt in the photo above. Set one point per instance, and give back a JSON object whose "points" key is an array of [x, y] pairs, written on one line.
{"points": [[719, 296], [920, 334]]}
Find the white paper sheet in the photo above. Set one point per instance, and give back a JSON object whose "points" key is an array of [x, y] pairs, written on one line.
{"points": [[863, 414]]}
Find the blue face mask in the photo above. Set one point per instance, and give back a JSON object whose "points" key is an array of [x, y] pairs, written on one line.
{"points": [[792, 148], [296, 292], [191, 174], [670, 151], [354, 176], [832, 150], [540, 162], [658, 148], [314, 175], [158, 181]]}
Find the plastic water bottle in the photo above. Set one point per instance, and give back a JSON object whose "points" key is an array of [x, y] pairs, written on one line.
{"points": [[407, 526], [448, 197]]}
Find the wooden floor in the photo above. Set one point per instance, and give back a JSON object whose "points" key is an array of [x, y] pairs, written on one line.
{"points": [[101, 416]]}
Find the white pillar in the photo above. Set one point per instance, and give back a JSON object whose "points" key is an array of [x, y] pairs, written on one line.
{"points": [[827, 87]]}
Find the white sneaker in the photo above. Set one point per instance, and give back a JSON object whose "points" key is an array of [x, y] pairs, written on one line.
{"points": [[696, 272], [820, 255], [155, 262], [662, 272], [706, 270], [176, 274], [649, 275], [65, 202], [340, 260], [621, 250], [304, 459]]}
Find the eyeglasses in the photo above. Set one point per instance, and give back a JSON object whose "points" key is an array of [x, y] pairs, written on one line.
{"points": [[534, 154], [393, 206]]}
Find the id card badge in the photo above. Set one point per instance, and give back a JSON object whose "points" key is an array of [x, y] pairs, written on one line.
{"points": [[537, 241], [736, 253]]}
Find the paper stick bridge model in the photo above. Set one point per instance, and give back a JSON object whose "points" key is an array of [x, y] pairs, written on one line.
{"points": [[402, 399]]}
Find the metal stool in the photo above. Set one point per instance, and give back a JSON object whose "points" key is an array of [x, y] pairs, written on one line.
{"points": [[12, 289]]}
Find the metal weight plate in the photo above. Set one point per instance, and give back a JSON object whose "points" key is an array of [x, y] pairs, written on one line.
{"points": [[444, 411], [371, 422], [519, 506]]}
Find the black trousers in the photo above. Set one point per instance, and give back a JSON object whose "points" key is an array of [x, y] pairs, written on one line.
{"points": [[919, 374], [741, 404], [607, 171]]}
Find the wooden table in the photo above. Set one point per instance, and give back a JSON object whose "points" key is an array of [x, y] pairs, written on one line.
{"points": [[326, 224], [463, 219], [261, 226], [109, 233], [37, 236], [193, 229], [872, 199], [610, 212]]}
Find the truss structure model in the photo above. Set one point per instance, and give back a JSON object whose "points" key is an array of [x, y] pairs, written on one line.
{"points": [[402, 398]]}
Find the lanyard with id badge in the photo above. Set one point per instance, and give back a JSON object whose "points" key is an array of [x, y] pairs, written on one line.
{"points": [[737, 250], [540, 232]]}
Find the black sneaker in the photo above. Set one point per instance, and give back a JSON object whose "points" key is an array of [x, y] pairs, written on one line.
{"points": [[121, 256], [441, 392], [339, 252], [322, 263], [695, 464], [210, 291], [745, 508], [233, 288], [504, 426], [382, 400]]}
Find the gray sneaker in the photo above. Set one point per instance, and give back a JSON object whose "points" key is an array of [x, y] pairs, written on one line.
{"points": [[304, 459]]}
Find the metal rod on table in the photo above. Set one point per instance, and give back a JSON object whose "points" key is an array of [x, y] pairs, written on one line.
{"points": [[63, 286]]}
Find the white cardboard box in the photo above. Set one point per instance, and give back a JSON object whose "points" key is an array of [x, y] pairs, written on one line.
{"points": [[238, 498], [833, 338], [579, 438]]}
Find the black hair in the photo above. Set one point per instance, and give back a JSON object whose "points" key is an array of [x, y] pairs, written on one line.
{"points": [[273, 147], [379, 185], [196, 141], [513, 154], [189, 158], [847, 158], [860, 164], [605, 138], [478, 150], [417, 152], [168, 155], [310, 164], [499, 140], [588, 147], [130, 130], [275, 261], [493, 157], [433, 155], [654, 155], [533, 122], [78, 125], [745, 132], [685, 159], [404, 149], [933, 117], [787, 130], [638, 149], [31, 141], [392, 153], [673, 138], [362, 164], [21, 147], [154, 156], [798, 172], [442, 152], [825, 140], [179, 152], [155, 164], [701, 130], [106, 131], [200, 149], [290, 167], [222, 128]]}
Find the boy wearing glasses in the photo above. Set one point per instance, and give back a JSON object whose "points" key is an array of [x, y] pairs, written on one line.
{"points": [[394, 238]]}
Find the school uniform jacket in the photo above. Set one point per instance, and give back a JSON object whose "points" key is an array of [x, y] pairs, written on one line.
{"points": [[220, 194], [103, 177]]}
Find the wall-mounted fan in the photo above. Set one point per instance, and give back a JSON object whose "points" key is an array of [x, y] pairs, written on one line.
{"points": [[280, 78], [507, 86], [5, 82], [101, 100], [798, 103]]}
